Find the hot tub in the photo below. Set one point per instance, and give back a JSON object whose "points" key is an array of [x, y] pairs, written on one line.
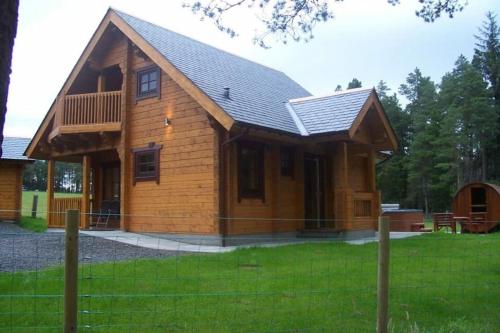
{"points": [[405, 219]]}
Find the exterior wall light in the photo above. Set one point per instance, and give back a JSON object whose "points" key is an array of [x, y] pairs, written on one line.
{"points": [[166, 121]]}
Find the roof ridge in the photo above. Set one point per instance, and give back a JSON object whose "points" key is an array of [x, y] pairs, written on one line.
{"points": [[336, 93], [197, 41], [297, 120]]}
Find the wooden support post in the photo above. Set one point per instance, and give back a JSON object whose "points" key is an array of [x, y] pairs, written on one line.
{"points": [[50, 191], [383, 275], [275, 164], [34, 206], [71, 271], [85, 213], [123, 151], [101, 81]]}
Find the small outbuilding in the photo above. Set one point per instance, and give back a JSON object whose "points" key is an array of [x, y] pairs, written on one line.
{"points": [[12, 163], [480, 202]]}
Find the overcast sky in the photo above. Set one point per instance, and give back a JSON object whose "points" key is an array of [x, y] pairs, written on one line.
{"points": [[368, 39]]}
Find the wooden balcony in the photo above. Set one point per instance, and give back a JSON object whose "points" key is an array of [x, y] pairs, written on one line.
{"points": [[88, 113]]}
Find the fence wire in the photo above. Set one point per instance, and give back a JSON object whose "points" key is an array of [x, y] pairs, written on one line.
{"points": [[439, 282]]}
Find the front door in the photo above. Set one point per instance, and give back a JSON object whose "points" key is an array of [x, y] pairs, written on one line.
{"points": [[314, 192]]}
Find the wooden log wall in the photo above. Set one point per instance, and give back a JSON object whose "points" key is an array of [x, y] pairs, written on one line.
{"points": [[186, 198], [10, 190]]}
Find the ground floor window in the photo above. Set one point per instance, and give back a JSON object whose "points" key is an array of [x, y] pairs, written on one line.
{"points": [[250, 170], [147, 163]]}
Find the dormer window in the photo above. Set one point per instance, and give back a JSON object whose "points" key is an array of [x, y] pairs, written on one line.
{"points": [[148, 82]]}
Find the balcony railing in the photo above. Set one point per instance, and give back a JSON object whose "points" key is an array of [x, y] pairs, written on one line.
{"points": [[91, 109]]}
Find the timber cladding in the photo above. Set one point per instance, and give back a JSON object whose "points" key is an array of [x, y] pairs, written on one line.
{"points": [[11, 177], [185, 198]]}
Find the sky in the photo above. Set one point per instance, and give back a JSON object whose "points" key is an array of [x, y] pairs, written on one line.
{"points": [[368, 39]]}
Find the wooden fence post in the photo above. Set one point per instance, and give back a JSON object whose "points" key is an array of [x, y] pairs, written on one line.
{"points": [[383, 275], [71, 271], [34, 206]]}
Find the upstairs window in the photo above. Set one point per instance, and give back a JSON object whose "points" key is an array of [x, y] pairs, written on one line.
{"points": [[148, 82], [147, 163], [287, 159], [250, 171]]}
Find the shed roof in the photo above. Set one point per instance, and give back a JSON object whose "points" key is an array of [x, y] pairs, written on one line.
{"points": [[13, 148], [331, 113]]}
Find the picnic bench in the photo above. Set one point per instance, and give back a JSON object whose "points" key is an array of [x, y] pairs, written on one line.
{"points": [[444, 220]]}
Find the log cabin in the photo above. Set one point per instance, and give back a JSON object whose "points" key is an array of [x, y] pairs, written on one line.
{"points": [[12, 163], [191, 141]]}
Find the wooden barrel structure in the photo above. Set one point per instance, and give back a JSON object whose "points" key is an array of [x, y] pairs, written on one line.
{"points": [[479, 205]]}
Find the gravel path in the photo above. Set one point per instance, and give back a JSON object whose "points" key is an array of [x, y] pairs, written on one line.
{"points": [[21, 249]]}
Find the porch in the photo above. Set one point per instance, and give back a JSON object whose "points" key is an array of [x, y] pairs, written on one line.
{"points": [[100, 202]]}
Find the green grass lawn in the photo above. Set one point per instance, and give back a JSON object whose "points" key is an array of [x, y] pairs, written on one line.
{"points": [[37, 224], [439, 283], [27, 202]]}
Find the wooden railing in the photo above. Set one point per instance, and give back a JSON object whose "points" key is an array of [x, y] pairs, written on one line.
{"points": [[363, 205], [59, 208], [90, 109]]}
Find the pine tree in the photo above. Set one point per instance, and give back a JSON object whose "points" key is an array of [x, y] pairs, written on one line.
{"points": [[392, 174], [355, 83], [487, 60], [470, 122], [422, 95]]}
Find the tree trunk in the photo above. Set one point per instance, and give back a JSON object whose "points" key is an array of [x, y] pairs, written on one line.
{"points": [[8, 28], [483, 164]]}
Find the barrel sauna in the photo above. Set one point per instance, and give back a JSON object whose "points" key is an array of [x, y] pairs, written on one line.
{"points": [[480, 203]]}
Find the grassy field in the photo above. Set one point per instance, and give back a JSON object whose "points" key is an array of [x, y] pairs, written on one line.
{"points": [[27, 203], [439, 283]]}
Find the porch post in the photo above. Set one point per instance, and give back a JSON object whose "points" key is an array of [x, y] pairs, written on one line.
{"points": [[84, 219], [50, 191], [123, 150], [343, 195]]}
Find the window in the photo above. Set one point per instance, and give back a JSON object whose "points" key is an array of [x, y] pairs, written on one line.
{"points": [[148, 82], [287, 159], [250, 170], [147, 163]]}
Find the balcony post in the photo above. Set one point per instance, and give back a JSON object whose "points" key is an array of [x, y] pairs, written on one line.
{"points": [[85, 217]]}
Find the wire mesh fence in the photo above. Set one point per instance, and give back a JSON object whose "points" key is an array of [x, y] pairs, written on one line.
{"points": [[128, 282]]}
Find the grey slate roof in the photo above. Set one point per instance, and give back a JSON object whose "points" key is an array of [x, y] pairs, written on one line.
{"points": [[333, 113], [258, 93], [13, 148]]}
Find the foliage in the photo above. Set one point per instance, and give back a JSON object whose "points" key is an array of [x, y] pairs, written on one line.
{"points": [[67, 177], [296, 19], [355, 83], [487, 60], [449, 134], [392, 173]]}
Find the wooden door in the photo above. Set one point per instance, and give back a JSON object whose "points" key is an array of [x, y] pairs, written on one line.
{"points": [[314, 198]]}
